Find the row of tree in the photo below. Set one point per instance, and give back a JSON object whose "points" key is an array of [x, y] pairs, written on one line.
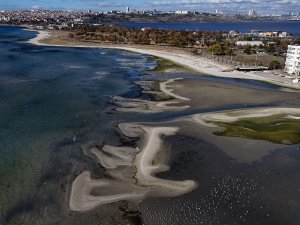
{"points": [[150, 36], [216, 43]]}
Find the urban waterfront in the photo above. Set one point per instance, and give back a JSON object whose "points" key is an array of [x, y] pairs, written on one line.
{"points": [[243, 27]]}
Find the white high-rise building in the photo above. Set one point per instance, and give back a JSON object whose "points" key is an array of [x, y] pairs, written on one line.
{"points": [[183, 12], [292, 63], [127, 10], [252, 12]]}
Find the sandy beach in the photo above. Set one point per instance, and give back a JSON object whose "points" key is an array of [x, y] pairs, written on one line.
{"points": [[181, 57], [40, 36]]}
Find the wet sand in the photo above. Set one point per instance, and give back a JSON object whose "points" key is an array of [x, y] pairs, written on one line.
{"points": [[208, 94], [146, 106]]}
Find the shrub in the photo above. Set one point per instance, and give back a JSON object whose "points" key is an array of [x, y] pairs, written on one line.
{"points": [[274, 65]]}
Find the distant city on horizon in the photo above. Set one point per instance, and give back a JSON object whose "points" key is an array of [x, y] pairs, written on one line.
{"points": [[277, 7], [128, 9], [252, 13]]}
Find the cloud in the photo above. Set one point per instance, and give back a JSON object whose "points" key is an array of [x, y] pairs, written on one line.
{"points": [[262, 5], [111, 4], [36, 7], [232, 6], [200, 2], [106, 4]]}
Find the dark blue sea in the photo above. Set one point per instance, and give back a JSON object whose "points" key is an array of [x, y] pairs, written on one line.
{"points": [[292, 27]]}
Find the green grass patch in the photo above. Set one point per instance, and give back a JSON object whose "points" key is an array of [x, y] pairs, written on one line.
{"points": [[164, 65], [275, 129]]}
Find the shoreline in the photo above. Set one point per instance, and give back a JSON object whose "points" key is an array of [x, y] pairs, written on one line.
{"points": [[193, 62], [40, 36]]}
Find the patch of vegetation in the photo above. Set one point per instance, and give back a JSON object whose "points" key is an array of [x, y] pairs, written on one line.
{"points": [[164, 65], [249, 50], [274, 65], [276, 129], [219, 49]]}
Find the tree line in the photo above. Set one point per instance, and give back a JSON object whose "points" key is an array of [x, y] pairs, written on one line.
{"points": [[150, 36]]}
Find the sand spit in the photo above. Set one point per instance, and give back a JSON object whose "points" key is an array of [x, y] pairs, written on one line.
{"points": [[81, 198], [146, 170], [132, 170], [41, 36], [111, 157], [164, 88], [235, 115], [145, 106]]}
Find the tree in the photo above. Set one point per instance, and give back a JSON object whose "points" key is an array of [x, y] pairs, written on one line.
{"points": [[270, 48], [216, 49], [297, 41], [247, 38], [274, 65], [194, 51], [71, 35], [265, 42], [248, 49]]}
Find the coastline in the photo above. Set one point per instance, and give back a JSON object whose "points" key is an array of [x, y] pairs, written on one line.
{"points": [[182, 58], [40, 36], [158, 146]]}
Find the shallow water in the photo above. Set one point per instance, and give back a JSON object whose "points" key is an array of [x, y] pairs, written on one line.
{"points": [[56, 102], [48, 96]]}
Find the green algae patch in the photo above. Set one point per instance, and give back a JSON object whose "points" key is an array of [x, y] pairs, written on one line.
{"points": [[276, 129], [167, 66]]}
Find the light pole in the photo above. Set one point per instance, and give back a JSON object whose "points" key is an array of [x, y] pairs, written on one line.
{"points": [[231, 55], [256, 60]]}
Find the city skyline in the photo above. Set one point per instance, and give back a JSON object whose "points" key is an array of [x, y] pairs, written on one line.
{"points": [[237, 6]]}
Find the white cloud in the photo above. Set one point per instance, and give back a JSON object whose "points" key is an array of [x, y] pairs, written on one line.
{"points": [[36, 7], [261, 5], [109, 4]]}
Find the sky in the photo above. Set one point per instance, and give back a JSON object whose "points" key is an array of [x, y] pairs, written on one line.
{"points": [[230, 6]]}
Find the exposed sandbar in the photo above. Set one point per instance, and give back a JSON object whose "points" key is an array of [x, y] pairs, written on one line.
{"points": [[81, 198], [145, 106], [146, 170], [164, 88], [140, 162], [235, 115]]}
